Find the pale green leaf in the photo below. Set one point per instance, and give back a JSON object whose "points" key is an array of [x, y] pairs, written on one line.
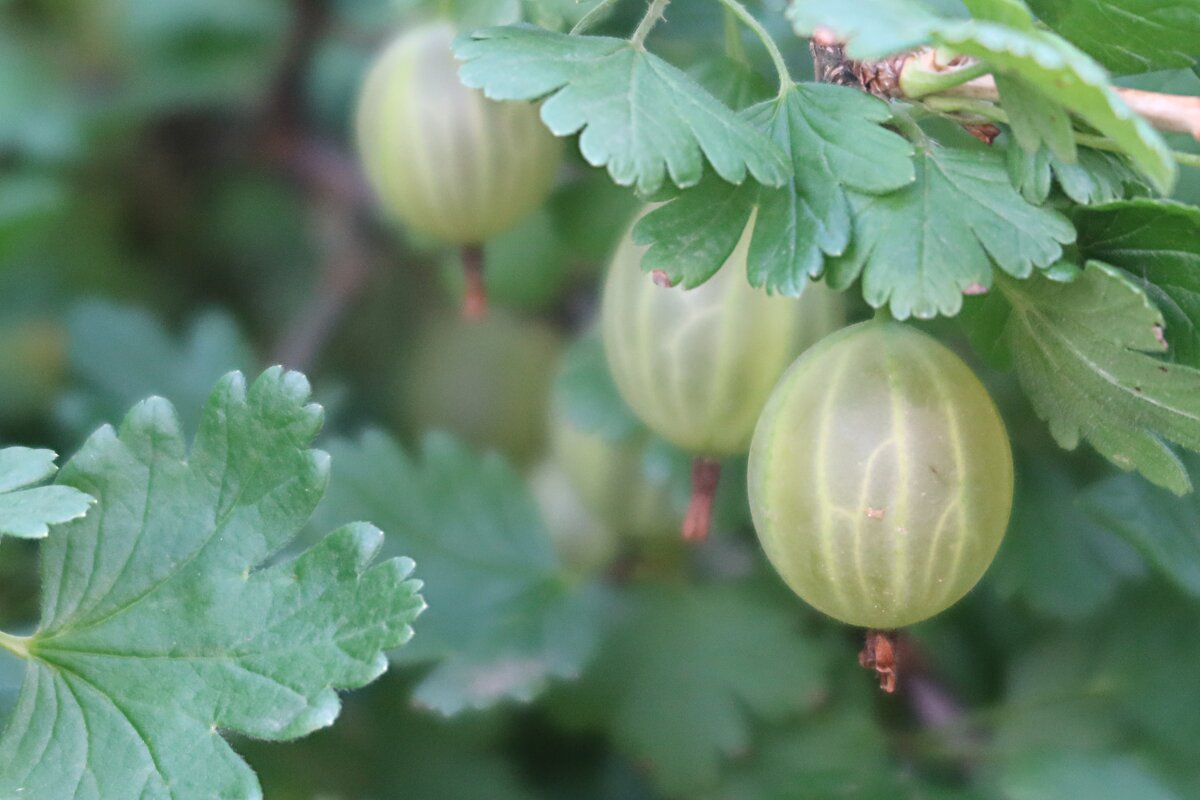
{"points": [[506, 616], [27, 510], [165, 620], [919, 248], [1158, 243], [637, 115], [835, 141], [1128, 36], [1082, 349], [870, 28]]}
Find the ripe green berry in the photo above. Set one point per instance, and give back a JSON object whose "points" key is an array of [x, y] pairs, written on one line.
{"points": [[442, 158], [697, 365], [880, 476], [584, 543]]}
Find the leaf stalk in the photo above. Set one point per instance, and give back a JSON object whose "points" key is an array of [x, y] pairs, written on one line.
{"points": [[748, 19], [653, 14], [17, 645]]}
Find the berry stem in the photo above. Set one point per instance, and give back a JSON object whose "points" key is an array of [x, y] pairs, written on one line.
{"points": [[706, 474], [475, 299], [879, 653]]}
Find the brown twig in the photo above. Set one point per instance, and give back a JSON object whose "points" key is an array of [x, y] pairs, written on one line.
{"points": [[330, 179], [883, 78], [706, 474]]}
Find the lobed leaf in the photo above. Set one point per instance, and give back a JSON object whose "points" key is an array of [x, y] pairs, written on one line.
{"points": [[163, 622], [1037, 69], [1158, 243], [1082, 352], [1094, 177], [637, 115], [919, 248], [685, 670], [835, 141], [506, 617], [27, 511]]}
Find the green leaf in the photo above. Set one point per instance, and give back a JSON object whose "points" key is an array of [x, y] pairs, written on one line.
{"points": [[506, 616], [1158, 243], [1095, 177], [1055, 69], [1161, 526], [586, 394], [1035, 119], [1055, 558], [164, 622], [834, 138], [1044, 776], [735, 83], [1128, 36], [639, 116], [1063, 74], [121, 354], [683, 673], [1081, 352], [26, 510], [870, 28], [919, 248]]}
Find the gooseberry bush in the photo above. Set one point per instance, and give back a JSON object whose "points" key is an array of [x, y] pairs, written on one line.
{"points": [[670, 362]]}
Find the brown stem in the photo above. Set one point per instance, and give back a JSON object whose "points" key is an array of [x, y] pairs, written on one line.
{"points": [[879, 653], [706, 474], [475, 298]]}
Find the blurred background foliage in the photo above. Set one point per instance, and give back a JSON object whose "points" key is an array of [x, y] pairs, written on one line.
{"points": [[178, 198]]}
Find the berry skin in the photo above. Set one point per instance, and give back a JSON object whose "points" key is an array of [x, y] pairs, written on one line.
{"points": [[442, 158], [880, 476], [697, 365]]}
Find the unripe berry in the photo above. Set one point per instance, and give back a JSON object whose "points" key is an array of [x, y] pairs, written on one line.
{"points": [[880, 476], [442, 158]]}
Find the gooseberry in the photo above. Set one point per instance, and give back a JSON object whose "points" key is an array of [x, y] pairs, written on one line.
{"points": [[880, 476], [697, 365]]}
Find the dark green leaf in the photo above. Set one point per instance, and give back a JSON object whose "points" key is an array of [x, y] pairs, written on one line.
{"points": [[1158, 243], [27, 510], [161, 622], [1036, 120], [834, 139], [1160, 525], [919, 248], [1095, 177], [682, 674], [1128, 36], [1081, 352], [638, 115], [1055, 558], [505, 615]]}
